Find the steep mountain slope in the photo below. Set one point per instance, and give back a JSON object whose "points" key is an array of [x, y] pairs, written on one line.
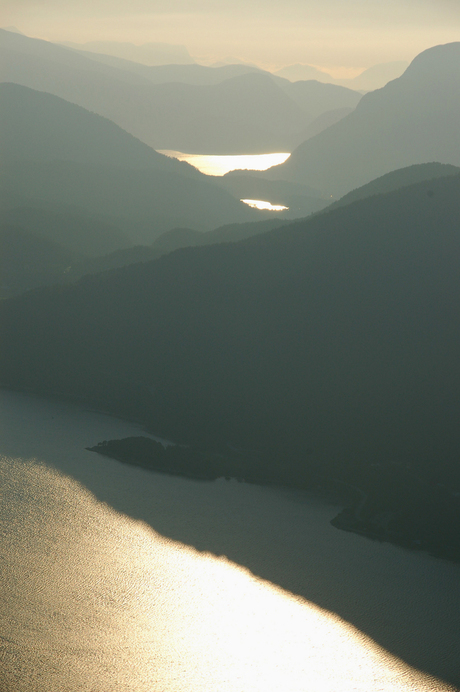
{"points": [[231, 233], [37, 126], [143, 204], [338, 335], [375, 77], [28, 261], [71, 227], [316, 98], [413, 119], [249, 113], [398, 179], [60, 154], [148, 53]]}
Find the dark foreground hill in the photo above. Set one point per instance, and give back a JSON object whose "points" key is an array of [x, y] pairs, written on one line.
{"points": [[328, 348], [339, 308], [28, 261], [316, 312], [69, 226], [395, 180], [413, 119]]}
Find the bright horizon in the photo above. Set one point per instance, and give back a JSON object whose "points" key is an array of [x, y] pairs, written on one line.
{"points": [[343, 38]]}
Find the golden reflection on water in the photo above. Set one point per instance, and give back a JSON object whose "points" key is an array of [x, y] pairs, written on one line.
{"points": [[220, 165], [98, 601], [261, 204]]}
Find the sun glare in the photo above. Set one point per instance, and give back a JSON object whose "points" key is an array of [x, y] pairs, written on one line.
{"points": [[261, 204], [220, 165]]}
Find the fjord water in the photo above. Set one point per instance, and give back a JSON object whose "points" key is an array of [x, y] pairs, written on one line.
{"points": [[121, 580], [220, 164]]}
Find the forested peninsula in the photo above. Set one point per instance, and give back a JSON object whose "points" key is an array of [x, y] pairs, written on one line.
{"points": [[412, 507]]}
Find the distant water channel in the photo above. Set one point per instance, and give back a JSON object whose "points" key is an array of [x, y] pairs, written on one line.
{"points": [[119, 580], [220, 165]]}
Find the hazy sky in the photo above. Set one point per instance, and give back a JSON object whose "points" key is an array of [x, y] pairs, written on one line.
{"points": [[328, 33]]}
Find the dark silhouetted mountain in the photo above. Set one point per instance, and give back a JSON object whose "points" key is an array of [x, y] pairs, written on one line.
{"points": [[283, 192], [113, 260], [413, 119], [251, 113], [398, 179], [28, 261], [337, 334], [328, 350], [61, 154], [71, 227], [37, 126], [300, 199], [147, 53], [177, 238], [143, 204], [231, 233]]}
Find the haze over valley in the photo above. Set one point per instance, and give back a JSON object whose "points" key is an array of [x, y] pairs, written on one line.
{"points": [[229, 309]]}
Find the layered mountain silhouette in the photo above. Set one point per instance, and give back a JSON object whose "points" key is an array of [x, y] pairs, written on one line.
{"points": [[412, 120], [337, 335], [372, 78], [395, 180], [250, 113], [375, 77], [28, 261], [147, 53], [162, 74], [84, 243], [37, 126], [71, 227], [60, 154]]}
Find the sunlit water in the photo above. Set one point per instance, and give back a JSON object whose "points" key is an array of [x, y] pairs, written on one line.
{"points": [[219, 165], [104, 591], [261, 204]]}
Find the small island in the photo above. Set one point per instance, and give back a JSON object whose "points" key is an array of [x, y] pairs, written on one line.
{"points": [[201, 464], [387, 502]]}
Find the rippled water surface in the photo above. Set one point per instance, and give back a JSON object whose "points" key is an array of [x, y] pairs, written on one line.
{"points": [[115, 579]]}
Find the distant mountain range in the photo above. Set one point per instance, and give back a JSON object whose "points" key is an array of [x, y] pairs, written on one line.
{"points": [[146, 54], [374, 77], [413, 119], [248, 113]]}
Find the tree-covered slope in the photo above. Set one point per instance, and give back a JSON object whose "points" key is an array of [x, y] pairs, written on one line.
{"points": [[338, 334], [398, 179], [28, 261], [325, 352]]}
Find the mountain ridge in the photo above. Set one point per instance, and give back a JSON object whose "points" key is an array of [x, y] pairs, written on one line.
{"points": [[411, 120]]}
